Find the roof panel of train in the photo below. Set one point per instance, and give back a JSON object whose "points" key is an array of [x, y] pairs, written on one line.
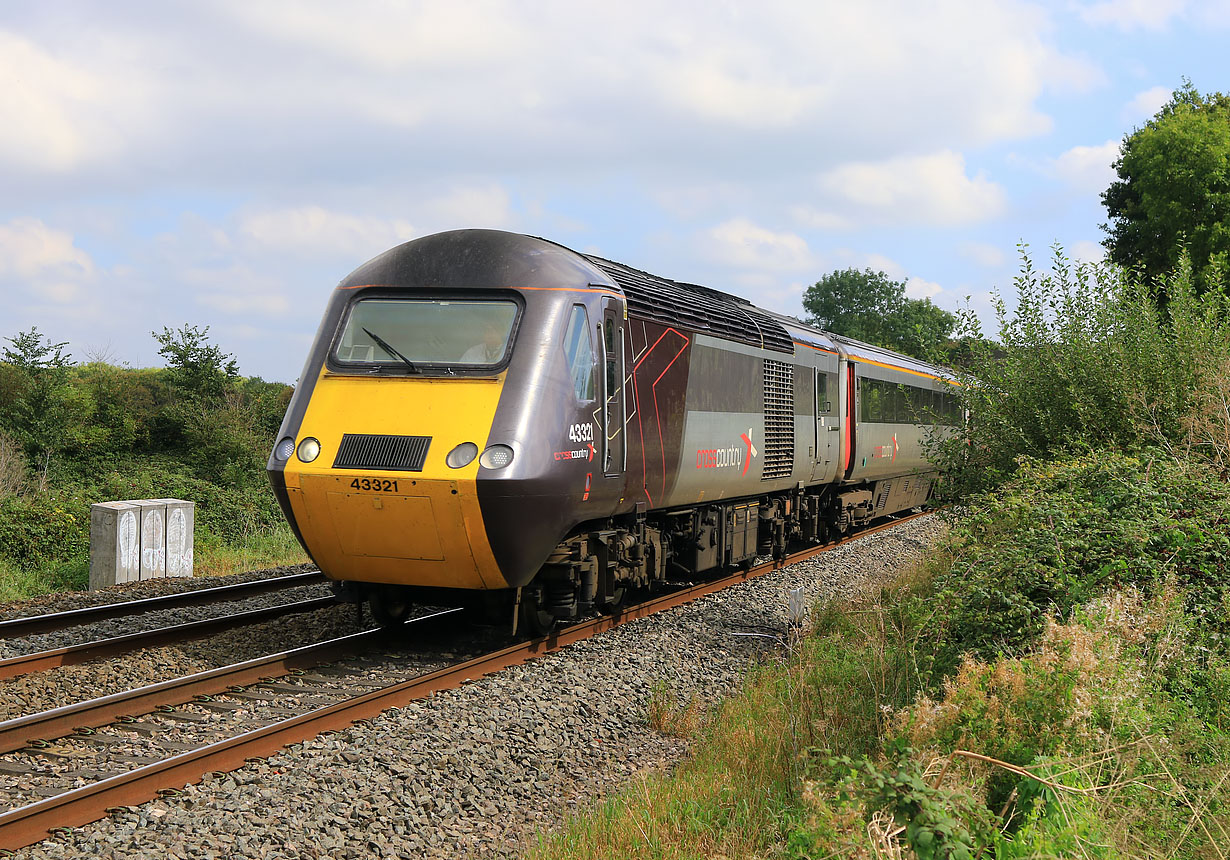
{"points": [[697, 308], [860, 351], [801, 332], [486, 259]]}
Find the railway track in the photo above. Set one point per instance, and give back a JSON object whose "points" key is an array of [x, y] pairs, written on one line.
{"points": [[115, 646], [15, 628], [34, 821]]}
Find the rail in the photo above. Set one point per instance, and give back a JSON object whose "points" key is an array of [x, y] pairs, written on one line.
{"points": [[28, 824], [30, 625]]}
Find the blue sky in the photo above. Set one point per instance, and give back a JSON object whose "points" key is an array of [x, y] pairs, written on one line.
{"points": [[226, 162]]}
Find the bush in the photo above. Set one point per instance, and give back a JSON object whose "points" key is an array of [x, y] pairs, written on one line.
{"points": [[1086, 362], [42, 530], [1061, 533]]}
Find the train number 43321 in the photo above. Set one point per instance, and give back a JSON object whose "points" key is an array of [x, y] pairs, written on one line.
{"points": [[374, 485]]}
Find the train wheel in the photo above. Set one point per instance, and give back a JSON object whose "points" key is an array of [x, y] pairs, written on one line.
{"points": [[618, 598], [390, 605], [534, 619]]}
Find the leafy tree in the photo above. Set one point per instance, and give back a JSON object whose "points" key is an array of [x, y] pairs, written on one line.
{"points": [[871, 307], [33, 352], [1173, 190], [198, 368], [40, 401]]}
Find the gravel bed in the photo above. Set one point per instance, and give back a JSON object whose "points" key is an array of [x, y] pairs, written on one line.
{"points": [[66, 600], [477, 771], [29, 694], [150, 620]]}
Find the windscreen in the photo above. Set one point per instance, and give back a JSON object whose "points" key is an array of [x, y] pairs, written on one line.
{"points": [[384, 331]]}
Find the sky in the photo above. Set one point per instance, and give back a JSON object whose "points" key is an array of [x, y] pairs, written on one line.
{"points": [[225, 163]]}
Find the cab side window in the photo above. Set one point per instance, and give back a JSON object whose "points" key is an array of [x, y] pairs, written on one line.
{"points": [[580, 352]]}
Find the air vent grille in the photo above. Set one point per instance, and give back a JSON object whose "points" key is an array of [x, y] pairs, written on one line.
{"points": [[778, 419], [393, 453], [696, 308]]}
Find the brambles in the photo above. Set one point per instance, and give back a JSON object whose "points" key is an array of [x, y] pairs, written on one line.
{"points": [[74, 434]]}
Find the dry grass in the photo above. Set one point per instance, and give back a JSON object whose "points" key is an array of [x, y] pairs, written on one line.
{"points": [[667, 716], [1207, 423], [274, 547], [13, 477]]}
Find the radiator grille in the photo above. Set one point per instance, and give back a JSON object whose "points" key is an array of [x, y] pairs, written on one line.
{"points": [[394, 453], [778, 419], [696, 308]]}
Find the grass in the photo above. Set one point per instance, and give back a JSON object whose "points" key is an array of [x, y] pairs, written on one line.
{"points": [[734, 795], [18, 583], [1097, 728], [269, 547]]}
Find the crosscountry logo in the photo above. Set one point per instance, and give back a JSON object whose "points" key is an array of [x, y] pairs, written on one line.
{"points": [[722, 458]]}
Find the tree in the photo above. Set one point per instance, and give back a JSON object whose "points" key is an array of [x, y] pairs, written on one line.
{"points": [[1173, 191], [199, 369], [40, 402], [871, 307]]}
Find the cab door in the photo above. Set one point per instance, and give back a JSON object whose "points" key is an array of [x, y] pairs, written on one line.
{"points": [[827, 426], [614, 419]]}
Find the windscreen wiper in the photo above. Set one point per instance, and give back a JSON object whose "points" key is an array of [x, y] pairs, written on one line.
{"points": [[391, 350]]}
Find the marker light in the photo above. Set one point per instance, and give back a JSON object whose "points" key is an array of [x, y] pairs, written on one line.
{"points": [[283, 450], [462, 455], [496, 457], [309, 449]]}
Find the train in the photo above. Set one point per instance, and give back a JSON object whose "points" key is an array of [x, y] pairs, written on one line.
{"points": [[492, 419]]}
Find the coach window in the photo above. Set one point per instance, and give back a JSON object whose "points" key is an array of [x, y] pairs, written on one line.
{"points": [[872, 401], [580, 352], [824, 405]]}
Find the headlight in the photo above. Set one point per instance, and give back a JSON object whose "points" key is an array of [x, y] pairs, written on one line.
{"points": [[309, 449], [496, 457], [462, 455], [283, 450]]}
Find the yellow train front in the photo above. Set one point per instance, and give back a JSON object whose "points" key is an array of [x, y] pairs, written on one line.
{"points": [[441, 436]]}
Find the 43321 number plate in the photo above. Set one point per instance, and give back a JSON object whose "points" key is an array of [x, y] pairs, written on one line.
{"points": [[374, 485]]}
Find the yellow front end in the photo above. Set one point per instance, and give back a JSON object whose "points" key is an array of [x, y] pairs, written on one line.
{"points": [[401, 527]]}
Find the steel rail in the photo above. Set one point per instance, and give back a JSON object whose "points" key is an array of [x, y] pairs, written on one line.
{"points": [[28, 626], [39, 661], [21, 732], [32, 823]]}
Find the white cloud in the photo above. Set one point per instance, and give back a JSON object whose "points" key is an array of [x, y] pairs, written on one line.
{"points": [[917, 288], [880, 263], [237, 290], [738, 90], [487, 206], [40, 101], [1134, 14], [317, 231], [1087, 168], [982, 254], [43, 263], [819, 219], [744, 245], [1087, 251], [927, 189], [1147, 103]]}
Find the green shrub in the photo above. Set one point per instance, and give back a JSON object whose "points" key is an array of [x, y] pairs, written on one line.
{"points": [[1084, 361], [1063, 532], [42, 530]]}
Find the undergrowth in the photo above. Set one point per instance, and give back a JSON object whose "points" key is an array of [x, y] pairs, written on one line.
{"points": [[1052, 684]]}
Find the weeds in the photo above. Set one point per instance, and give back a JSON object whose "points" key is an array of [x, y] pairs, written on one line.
{"points": [[1087, 719], [666, 716]]}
